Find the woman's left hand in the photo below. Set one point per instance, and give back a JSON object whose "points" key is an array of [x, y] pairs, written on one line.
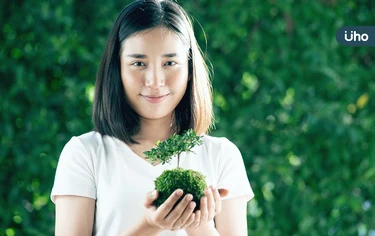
{"points": [[210, 206]]}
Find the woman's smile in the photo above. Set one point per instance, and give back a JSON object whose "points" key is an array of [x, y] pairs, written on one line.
{"points": [[154, 99]]}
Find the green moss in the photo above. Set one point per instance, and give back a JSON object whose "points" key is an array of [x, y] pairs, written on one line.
{"points": [[189, 181]]}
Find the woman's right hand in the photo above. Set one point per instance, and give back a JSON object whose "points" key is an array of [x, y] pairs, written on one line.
{"points": [[164, 217]]}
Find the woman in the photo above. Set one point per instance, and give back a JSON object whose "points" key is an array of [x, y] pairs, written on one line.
{"points": [[152, 82]]}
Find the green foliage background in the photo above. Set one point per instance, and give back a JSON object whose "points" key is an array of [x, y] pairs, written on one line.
{"points": [[299, 106]]}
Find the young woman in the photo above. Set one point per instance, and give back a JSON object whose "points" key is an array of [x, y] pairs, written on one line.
{"points": [[152, 82]]}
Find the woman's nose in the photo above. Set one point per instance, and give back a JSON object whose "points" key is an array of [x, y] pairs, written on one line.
{"points": [[155, 78]]}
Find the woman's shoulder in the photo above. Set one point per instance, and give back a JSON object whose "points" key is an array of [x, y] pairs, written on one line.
{"points": [[218, 143], [91, 136], [213, 139], [92, 139]]}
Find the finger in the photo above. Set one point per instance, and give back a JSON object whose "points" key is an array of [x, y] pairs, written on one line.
{"points": [[197, 220], [203, 209], [150, 198], [210, 204], [185, 217], [217, 200], [167, 206], [223, 192], [176, 216], [189, 222]]}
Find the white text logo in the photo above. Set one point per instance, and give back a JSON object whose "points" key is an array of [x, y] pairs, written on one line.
{"points": [[354, 36]]}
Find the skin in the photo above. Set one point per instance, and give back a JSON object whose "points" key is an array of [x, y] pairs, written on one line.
{"points": [[154, 72]]}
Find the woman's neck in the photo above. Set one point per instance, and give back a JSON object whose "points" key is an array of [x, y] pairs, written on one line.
{"points": [[154, 130]]}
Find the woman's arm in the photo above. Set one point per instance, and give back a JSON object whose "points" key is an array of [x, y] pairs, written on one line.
{"points": [[230, 217], [232, 220], [142, 227], [74, 215], [233, 217]]}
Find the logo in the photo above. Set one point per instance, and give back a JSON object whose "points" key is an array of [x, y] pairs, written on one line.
{"points": [[356, 36]]}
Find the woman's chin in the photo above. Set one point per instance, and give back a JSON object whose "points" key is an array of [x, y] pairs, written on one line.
{"points": [[157, 116]]}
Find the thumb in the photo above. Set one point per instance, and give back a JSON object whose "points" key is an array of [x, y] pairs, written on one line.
{"points": [[150, 198]]}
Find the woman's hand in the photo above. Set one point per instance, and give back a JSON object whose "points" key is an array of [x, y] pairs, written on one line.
{"points": [[164, 218], [210, 206]]}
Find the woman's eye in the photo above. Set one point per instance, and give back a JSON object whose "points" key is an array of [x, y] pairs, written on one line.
{"points": [[170, 63], [138, 63]]}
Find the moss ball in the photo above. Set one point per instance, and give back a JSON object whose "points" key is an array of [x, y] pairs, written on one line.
{"points": [[189, 181]]}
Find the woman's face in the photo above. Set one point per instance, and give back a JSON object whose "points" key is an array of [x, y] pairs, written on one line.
{"points": [[154, 72]]}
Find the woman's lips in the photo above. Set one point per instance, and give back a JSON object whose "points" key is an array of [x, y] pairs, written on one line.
{"points": [[155, 99]]}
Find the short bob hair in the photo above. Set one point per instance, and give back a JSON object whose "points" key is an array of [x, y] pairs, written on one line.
{"points": [[112, 115]]}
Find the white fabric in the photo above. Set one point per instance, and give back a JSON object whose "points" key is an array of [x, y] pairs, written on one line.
{"points": [[106, 169]]}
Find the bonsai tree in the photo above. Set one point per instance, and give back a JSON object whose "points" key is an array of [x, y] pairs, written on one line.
{"points": [[189, 181]]}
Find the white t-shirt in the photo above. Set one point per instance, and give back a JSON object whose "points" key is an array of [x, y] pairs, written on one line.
{"points": [[107, 170]]}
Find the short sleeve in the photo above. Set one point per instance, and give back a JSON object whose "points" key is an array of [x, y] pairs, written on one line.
{"points": [[75, 172], [232, 172]]}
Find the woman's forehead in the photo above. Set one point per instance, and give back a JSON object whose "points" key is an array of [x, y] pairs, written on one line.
{"points": [[155, 39]]}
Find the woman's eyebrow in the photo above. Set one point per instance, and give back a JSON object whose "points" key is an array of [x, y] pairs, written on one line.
{"points": [[136, 55], [170, 55], [142, 56]]}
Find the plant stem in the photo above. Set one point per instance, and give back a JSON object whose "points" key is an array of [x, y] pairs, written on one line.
{"points": [[178, 160]]}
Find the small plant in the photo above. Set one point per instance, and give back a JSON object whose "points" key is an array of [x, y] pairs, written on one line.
{"points": [[189, 181]]}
